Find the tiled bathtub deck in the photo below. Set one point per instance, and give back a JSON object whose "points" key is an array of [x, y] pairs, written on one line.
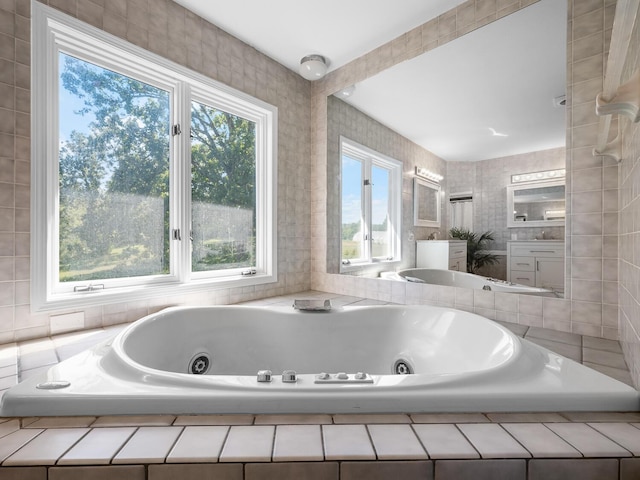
{"points": [[585, 446], [521, 446]]}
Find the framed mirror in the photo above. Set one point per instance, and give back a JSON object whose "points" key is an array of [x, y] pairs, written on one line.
{"points": [[536, 204], [426, 203]]}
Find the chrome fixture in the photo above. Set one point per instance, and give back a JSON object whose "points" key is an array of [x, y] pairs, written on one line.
{"points": [[289, 376], [264, 376]]}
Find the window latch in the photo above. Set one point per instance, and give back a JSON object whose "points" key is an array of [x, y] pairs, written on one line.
{"points": [[176, 234], [248, 273], [346, 262], [88, 288], [176, 130], [367, 182]]}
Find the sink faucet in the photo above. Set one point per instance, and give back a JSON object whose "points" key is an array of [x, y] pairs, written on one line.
{"points": [[433, 236]]}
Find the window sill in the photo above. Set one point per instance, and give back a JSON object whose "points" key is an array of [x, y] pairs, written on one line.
{"points": [[95, 298]]}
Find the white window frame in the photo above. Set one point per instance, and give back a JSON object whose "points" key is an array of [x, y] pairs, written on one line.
{"points": [[55, 32], [370, 158]]}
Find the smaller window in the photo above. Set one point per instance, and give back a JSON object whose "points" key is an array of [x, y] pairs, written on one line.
{"points": [[371, 196]]}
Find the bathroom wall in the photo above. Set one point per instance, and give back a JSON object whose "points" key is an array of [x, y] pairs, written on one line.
{"points": [[345, 120], [629, 243], [488, 180], [591, 302], [169, 30]]}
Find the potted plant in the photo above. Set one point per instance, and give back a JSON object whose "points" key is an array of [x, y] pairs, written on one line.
{"points": [[477, 254]]}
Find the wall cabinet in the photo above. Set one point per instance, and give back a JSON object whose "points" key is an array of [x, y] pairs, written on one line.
{"points": [[536, 263], [442, 254]]}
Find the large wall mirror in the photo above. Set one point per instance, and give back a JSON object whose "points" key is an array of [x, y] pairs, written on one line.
{"points": [[476, 110]]}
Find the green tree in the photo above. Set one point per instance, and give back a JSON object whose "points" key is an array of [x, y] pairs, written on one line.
{"points": [[122, 158]]}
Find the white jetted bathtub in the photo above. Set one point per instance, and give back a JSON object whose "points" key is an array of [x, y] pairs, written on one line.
{"points": [[353, 359], [452, 278]]}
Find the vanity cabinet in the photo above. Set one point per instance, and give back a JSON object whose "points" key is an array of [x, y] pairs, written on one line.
{"points": [[536, 263], [442, 254]]}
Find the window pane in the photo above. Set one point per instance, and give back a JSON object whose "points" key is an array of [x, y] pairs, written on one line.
{"points": [[113, 174], [352, 226], [223, 189], [380, 225]]}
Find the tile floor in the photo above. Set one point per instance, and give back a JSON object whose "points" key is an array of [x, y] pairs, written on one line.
{"points": [[523, 446]]}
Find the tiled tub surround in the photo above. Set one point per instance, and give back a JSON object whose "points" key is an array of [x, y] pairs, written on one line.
{"points": [[324, 447], [519, 446]]}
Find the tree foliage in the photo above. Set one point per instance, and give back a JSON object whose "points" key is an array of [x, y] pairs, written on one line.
{"points": [[114, 172]]}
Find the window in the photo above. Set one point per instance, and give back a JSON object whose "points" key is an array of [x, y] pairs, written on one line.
{"points": [[371, 192], [147, 177]]}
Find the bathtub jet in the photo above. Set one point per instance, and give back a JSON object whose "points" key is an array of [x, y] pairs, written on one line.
{"points": [[392, 358]]}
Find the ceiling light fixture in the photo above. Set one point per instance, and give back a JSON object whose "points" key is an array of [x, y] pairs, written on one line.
{"points": [[346, 92], [313, 67]]}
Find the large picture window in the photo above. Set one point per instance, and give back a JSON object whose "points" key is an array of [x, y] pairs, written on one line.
{"points": [[371, 192], [146, 176]]}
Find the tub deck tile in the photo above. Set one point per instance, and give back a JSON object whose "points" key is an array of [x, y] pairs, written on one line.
{"points": [[396, 442], [297, 443], [540, 441], [9, 426], [214, 420], [148, 445], [344, 419], [199, 444], [492, 441], [134, 421], [46, 448], [587, 440], [533, 417], [444, 441], [293, 420], [602, 416], [16, 440], [449, 418], [622, 433], [252, 443], [62, 422], [347, 442], [98, 447]]}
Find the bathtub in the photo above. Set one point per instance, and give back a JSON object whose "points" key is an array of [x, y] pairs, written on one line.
{"points": [[452, 278], [348, 360]]}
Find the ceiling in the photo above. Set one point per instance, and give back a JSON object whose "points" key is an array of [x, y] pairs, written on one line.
{"points": [[503, 76], [341, 31]]}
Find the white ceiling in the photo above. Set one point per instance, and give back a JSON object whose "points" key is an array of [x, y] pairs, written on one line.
{"points": [[503, 76], [341, 31]]}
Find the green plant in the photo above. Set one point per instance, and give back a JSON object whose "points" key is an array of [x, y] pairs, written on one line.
{"points": [[477, 254]]}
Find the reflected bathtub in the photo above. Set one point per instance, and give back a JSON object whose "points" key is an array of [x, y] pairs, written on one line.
{"points": [[452, 278], [409, 359]]}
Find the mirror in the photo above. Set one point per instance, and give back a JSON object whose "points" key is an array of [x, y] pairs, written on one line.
{"points": [[426, 203], [499, 101], [536, 205]]}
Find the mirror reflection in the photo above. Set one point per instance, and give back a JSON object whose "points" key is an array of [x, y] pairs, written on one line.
{"points": [[426, 203], [537, 205], [476, 110]]}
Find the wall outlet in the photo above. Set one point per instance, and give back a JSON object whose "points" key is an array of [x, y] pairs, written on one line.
{"points": [[66, 322]]}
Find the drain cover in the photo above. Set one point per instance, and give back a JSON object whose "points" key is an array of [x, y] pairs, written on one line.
{"points": [[402, 367], [200, 364]]}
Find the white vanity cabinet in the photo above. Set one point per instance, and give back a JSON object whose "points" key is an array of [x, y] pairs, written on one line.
{"points": [[537, 263], [442, 254]]}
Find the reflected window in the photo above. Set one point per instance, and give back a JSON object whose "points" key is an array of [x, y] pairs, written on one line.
{"points": [[371, 189]]}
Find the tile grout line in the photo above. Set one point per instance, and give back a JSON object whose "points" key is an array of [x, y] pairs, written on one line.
{"points": [[480, 456]]}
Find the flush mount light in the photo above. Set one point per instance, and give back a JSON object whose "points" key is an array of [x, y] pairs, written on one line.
{"points": [[313, 67], [346, 92]]}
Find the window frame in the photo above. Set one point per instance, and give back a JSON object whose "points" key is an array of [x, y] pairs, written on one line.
{"points": [[370, 158], [55, 32]]}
